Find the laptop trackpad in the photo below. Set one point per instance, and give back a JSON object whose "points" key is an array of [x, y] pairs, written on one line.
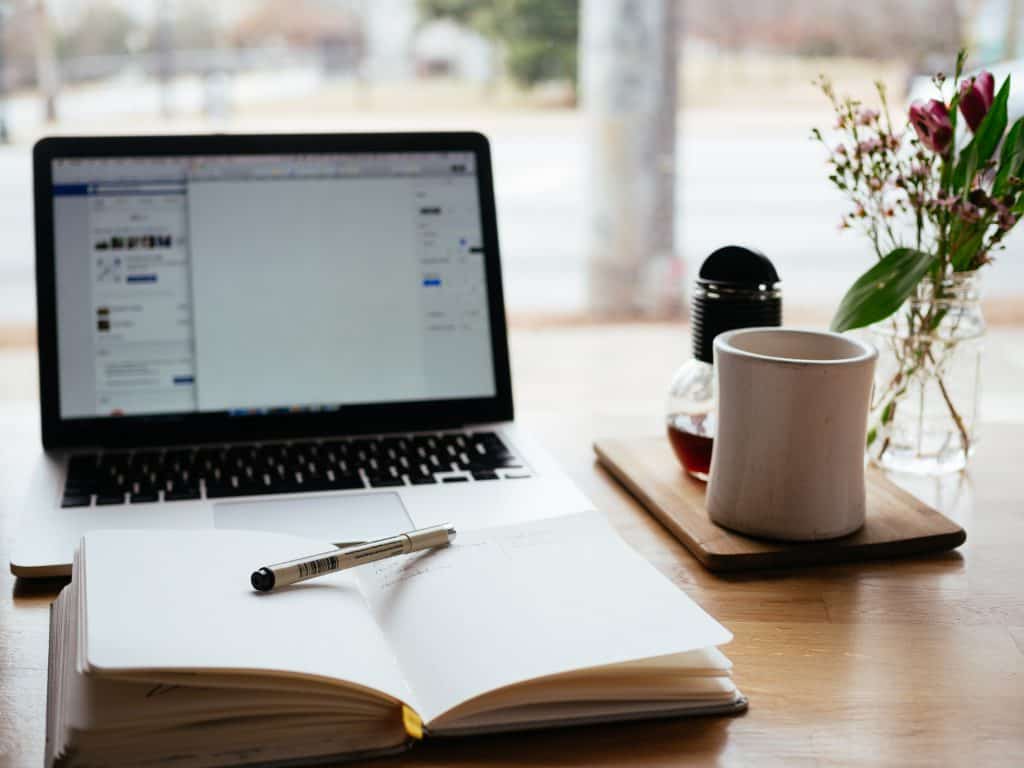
{"points": [[349, 518]]}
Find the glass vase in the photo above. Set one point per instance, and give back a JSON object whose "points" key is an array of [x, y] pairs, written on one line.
{"points": [[924, 416]]}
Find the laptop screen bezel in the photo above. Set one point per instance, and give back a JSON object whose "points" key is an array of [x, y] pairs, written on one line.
{"points": [[186, 428]]}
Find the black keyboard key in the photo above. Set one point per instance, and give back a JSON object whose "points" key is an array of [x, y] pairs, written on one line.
{"points": [[182, 494], [280, 451], [220, 490], [267, 482], [422, 479], [287, 481], [366, 446], [236, 462], [313, 485], [385, 482], [112, 471], [146, 461], [224, 489], [337, 481], [428, 443], [455, 479], [485, 474], [107, 499], [144, 497], [483, 463], [80, 487], [488, 438], [116, 486], [70, 500], [83, 474]]}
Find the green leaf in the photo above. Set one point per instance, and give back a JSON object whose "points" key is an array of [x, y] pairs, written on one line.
{"points": [[985, 140], [1011, 158], [872, 435], [965, 249], [882, 289], [964, 242], [948, 160]]}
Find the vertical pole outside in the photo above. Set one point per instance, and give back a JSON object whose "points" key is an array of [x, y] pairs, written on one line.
{"points": [[1010, 40], [629, 94], [165, 56], [47, 73], [4, 133]]}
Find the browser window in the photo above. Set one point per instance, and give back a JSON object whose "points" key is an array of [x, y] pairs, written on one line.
{"points": [[254, 284]]}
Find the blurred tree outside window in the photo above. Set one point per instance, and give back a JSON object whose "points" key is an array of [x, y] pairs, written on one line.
{"points": [[103, 29], [539, 38]]}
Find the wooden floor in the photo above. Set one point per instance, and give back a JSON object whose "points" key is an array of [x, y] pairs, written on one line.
{"points": [[913, 662]]}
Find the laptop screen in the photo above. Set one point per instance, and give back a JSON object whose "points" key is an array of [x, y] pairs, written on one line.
{"points": [[255, 284]]}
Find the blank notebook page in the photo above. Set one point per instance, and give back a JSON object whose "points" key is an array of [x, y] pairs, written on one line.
{"points": [[181, 600]]}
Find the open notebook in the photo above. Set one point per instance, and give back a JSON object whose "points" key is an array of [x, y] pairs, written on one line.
{"points": [[161, 652]]}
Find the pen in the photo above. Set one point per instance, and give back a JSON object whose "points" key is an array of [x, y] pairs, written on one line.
{"points": [[293, 571]]}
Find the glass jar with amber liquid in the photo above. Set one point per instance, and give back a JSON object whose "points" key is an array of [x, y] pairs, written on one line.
{"points": [[736, 288]]}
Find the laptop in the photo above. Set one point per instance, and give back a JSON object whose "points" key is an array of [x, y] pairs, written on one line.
{"points": [[295, 333]]}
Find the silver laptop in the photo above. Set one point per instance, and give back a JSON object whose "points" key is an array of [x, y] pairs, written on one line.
{"points": [[301, 333]]}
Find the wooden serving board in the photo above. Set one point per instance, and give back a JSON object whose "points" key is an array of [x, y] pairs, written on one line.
{"points": [[897, 522]]}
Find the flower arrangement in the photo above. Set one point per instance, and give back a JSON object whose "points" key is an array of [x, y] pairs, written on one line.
{"points": [[935, 205]]}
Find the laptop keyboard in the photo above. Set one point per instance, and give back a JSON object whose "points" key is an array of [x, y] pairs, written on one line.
{"points": [[250, 469]]}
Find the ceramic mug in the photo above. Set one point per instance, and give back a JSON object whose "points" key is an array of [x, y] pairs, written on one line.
{"points": [[788, 457]]}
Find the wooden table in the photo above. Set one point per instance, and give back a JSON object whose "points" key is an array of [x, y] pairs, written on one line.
{"points": [[917, 662]]}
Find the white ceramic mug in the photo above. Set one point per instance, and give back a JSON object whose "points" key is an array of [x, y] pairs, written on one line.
{"points": [[788, 457]]}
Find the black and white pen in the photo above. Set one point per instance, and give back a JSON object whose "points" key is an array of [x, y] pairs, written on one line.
{"points": [[270, 577]]}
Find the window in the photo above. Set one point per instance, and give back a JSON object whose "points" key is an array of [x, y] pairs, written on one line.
{"points": [[595, 215]]}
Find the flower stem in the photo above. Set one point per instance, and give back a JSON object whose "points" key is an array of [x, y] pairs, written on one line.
{"points": [[965, 440]]}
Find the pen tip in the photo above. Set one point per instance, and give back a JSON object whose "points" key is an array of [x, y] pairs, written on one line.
{"points": [[262, 580], [451, 533]]}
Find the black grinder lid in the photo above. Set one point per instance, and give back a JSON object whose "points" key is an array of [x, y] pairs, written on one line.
{"points": [[737, 288]]}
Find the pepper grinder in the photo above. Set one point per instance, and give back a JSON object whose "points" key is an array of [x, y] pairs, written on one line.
{"points": [[736, 288]]}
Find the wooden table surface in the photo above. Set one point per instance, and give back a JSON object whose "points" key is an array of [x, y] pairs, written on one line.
{"points": [[914, 662]]}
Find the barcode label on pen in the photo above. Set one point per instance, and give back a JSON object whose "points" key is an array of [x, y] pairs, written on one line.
{"points": [[315, 567]]}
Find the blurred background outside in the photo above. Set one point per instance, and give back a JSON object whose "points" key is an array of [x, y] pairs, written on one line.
{"points": [[743, 167]]}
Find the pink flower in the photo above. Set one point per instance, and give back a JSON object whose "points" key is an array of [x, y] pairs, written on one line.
{"points": [[867, 116], [976, 94], [1005, 218], [931, 121], [868, 146], [970, 213]]}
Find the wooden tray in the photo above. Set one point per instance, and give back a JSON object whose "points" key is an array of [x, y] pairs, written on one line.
{"points": [[897, 523]]}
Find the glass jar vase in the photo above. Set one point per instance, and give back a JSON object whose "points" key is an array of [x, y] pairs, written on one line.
{"points": [[924, 416]]}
